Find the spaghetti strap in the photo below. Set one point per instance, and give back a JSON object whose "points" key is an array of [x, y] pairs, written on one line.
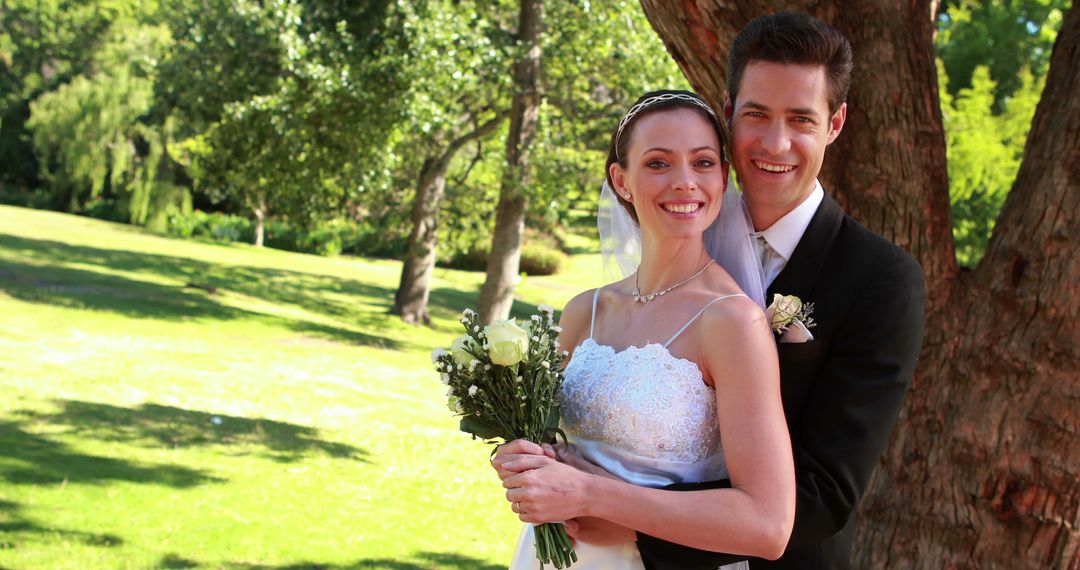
{"points": [[695, 317], [592, 319]]}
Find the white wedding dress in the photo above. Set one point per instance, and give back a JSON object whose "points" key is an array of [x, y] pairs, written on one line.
{"points": [[644, 416]]}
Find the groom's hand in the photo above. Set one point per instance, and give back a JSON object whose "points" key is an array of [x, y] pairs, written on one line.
{"points": [[600, 532], [520, 455]]}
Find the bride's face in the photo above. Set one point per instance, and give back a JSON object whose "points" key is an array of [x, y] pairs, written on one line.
{"points": [[674, 174]]}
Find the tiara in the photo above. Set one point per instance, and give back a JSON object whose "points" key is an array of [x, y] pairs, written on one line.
{"points": [[658, 99]]}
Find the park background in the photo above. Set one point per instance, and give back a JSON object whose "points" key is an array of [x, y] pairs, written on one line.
{"points": [[235, 229]]}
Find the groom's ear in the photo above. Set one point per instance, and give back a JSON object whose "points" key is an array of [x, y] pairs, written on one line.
{"points": [[729, 109], [836, 122]]}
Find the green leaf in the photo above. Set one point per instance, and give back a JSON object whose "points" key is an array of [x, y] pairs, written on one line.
{"points": [[479, 428]]}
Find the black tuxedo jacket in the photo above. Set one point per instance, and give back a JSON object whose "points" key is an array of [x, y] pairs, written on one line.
{"points": [[842, 391]]}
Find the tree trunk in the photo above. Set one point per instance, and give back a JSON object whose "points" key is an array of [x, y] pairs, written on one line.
{"points": [[260, 219], [982, 467], [497, 293], [411, 298]]}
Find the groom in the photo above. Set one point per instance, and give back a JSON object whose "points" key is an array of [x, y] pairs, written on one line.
{"points": [[788, 76]]}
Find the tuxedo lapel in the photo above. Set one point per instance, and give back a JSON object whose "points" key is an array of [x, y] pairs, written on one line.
{"points": [[801, 272]]}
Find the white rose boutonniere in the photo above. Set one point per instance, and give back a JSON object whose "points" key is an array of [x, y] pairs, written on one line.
{"points": [[790, 318]]}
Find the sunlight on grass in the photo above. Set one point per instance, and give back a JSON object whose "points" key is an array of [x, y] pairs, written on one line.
{"points": [[175, 404]]}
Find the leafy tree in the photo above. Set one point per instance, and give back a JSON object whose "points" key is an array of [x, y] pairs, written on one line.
{"points": [[43, 45], [994, 58], [90, 133], [497, 293], [1005, 36], [310, 134], [457, 94], [984, 152]]}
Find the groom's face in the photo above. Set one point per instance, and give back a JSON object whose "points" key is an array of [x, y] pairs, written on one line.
{"points": [[781, 124]]}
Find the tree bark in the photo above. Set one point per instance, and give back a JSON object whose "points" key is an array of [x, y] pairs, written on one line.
{"points": [[982, 467], [497, 293], [260, 218], [411, 298]]}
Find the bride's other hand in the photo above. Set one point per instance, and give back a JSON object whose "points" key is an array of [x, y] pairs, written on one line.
{"points": [[520, 455], [567, 455], [598, 531]]}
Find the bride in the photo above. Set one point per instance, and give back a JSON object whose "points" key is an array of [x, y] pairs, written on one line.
{"points": [[673, 374]]}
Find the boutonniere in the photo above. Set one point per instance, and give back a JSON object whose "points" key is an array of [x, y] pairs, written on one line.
{"points": [[790, 318]]}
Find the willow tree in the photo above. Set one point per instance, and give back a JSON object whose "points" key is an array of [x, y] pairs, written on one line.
{"points": [[982, 466], [95, 133]]}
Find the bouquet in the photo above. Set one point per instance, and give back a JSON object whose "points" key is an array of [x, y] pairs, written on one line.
{"points": [[503, 381]]}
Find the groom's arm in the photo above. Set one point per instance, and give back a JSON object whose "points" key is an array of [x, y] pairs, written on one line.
{"points": [[846, 419]]}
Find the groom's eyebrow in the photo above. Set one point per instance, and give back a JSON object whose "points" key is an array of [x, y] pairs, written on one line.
{"points": [[795, 111], [802, 111]]}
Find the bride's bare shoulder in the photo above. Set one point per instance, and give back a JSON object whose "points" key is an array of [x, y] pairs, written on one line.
{"points": [[575, 319], [734, 316]]}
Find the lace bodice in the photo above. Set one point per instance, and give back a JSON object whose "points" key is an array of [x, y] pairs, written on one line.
{"points": [[645, 417], [642, 400]]}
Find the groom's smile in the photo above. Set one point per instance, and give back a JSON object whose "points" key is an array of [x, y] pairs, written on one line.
{"points": [[771, 167]]}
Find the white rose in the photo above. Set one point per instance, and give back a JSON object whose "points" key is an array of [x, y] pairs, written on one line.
{"points": [[435, 354], [545, 309], [509, 342], [782, 311], [457, 350]]}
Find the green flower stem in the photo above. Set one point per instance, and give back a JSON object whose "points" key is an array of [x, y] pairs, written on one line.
{"points": [[553, 545]]}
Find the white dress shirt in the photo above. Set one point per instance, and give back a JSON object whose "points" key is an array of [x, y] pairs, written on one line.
{"points": [[775, 244]]}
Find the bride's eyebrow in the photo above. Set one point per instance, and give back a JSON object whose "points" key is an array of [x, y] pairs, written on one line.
{"points": [[669, 151]]}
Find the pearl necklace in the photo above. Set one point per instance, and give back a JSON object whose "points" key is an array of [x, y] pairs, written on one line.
{"points": [[639, 298]]}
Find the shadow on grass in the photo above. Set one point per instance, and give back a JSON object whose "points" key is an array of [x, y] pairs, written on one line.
{"points": [[39, 460], [13, 524], [419, 561], [448, 303], [158, 426], [50, 278]]}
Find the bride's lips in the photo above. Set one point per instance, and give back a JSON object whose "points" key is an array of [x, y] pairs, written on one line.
{"points": [[772, 167], [683, 208]]}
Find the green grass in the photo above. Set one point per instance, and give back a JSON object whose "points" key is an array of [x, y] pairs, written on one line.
{"points": [[283, 421]]}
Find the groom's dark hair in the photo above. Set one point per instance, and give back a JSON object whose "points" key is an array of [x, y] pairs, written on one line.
{"points": [[793, 38]]}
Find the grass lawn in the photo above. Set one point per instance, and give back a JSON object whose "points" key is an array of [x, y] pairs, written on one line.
{"points": [[282, 421]]}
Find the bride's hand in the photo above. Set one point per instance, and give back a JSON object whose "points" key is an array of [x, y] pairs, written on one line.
{"points": [[520, 455], [600, 532], [550, 493]]}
